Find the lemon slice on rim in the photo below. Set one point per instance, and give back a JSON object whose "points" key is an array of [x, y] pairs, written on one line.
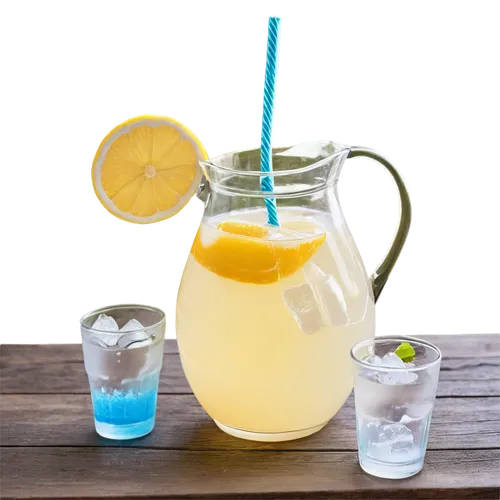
{"points": [[146, 169]]}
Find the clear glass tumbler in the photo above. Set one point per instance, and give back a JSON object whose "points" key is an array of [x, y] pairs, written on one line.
{"points": [[123, 368], [394, 401]]}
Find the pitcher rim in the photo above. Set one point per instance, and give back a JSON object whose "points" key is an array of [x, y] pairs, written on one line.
{"points": [[342, 149], [395, 338]]}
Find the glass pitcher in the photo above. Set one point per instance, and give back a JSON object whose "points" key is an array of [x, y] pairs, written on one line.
{"points": [[266, 316]]}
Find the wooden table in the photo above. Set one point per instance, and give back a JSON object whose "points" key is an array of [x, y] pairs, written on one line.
{"points": [[50, 449]]}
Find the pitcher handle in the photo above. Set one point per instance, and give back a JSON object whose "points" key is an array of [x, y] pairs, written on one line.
{"points": [[381, 274]]}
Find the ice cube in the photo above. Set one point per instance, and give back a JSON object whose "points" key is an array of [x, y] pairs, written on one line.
{"points": [[418, 411], [317, 303], [328, 294], [105, 323], [394, 437], [136, 338], [368, 372], [394, 413], [371, 431], [392, 360], [405, 419], [301, 302], [102, 340], [131, 325], [373, 360], [397, 378]]}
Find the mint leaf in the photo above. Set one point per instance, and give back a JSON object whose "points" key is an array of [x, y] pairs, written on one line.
{"points": [[406, 352]]}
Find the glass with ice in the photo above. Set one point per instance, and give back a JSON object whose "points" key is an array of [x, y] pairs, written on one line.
{"points": [[123, 353], [395, 387]]}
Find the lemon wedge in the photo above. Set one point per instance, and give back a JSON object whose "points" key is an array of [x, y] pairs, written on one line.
{"points": [[242, 254]]}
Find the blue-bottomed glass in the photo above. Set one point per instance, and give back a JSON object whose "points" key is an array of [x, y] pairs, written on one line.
{"points": [[124, 369]]}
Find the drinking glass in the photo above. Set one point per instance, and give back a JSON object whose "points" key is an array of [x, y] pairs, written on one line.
{"points": [[394, 401], [123, 368]]}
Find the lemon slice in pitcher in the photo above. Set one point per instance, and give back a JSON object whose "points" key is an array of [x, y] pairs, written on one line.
{"points": [[242, 252], [146, 169]]}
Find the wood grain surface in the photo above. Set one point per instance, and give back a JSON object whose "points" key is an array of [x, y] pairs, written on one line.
{"points": [[40, 370], [49, 448], [44, 420], [119, 472]]}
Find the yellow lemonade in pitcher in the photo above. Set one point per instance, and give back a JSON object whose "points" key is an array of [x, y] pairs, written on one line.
{"points": [[265, 320]]}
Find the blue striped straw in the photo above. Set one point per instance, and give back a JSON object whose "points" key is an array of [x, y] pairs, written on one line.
{"points": [[266, 158]]}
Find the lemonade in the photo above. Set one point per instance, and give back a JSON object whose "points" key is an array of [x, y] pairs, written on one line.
{"points": [[266, 318]]}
